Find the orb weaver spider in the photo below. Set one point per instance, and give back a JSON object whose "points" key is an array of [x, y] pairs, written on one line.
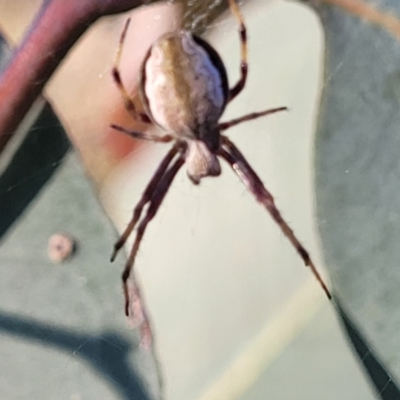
{"points": [[184, 89]]}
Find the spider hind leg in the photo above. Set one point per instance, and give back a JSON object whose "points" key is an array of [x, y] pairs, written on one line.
{"points": [[156, 198], [230, 153], [146, 197]]}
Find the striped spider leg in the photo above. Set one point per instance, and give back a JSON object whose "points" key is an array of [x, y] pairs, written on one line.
{"points": [[232, 155]]}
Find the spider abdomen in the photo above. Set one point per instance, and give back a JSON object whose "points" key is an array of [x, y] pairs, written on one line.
{"points": [[183, 85]]}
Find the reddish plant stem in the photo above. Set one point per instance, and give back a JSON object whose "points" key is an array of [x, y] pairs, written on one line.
{"points": [[368, 11], [57, 26]]}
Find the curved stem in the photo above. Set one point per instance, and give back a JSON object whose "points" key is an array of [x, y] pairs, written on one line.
{"points": [[55, 29]]}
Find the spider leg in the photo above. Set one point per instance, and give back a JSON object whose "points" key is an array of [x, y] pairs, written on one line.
{"points": [[140, 318], [128, 101], [254, 184], [226, 125], [243, 51], [146, 197], [142, 136], [157, 195]]}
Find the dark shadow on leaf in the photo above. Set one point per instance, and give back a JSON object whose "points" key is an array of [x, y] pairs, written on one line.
{"points": [[106, 353], [32, 165], [4, 52], [382, 380]]}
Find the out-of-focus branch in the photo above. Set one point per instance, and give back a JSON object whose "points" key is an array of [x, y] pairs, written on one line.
{"points": [[56, 28], [367, 12]]}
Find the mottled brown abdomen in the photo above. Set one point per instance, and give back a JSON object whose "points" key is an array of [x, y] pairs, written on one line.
{"points": [[183, 87]]}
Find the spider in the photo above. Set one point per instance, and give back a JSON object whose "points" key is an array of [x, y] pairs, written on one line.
{"points": [[184, 89]]}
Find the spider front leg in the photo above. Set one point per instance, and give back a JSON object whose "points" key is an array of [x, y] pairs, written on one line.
{"points": [[254, 184], [128, 101], [243, 51]]}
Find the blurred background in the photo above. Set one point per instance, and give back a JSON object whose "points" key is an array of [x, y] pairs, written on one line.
{"points": [[235, 313]]}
